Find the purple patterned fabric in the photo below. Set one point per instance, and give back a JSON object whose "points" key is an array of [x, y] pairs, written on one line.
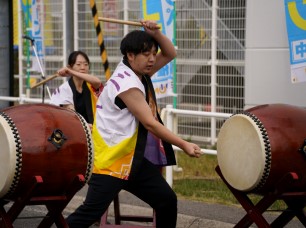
{"points": [[115, 84], [120, 75], [154, 151]]}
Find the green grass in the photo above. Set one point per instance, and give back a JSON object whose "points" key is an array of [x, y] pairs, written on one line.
{"points": [[198, 181]]}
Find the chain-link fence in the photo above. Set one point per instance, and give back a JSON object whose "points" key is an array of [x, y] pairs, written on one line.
{"points": [[210, 39]]}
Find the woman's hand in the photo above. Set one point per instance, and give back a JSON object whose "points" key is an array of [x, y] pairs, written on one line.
{"points": [[64, 72]]}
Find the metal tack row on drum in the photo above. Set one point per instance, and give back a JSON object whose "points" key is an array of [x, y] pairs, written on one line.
{"points": [[256, 148], [42, 140]]}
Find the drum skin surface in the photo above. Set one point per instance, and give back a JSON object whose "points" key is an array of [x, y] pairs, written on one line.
{"points": [[29, 148], [258, 147]]}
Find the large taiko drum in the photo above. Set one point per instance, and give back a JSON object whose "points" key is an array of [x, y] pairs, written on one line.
{"points": [[258, 147], [42, 140]]}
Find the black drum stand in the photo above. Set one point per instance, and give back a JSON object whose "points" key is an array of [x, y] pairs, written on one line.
{"points": [[104, 223], [55, 204], [295, 201]]}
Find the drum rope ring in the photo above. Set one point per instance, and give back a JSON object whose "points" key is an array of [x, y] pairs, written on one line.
{"points": [[57, 138]]}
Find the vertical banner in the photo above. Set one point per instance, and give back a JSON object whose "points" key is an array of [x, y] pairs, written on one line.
{"points": [[31, 11], [161, 11], [15, 22], [296, 29], [110, 10], [37, 35]]}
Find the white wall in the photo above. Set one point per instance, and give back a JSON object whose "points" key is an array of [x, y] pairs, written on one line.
{"points": [[267, 69]]}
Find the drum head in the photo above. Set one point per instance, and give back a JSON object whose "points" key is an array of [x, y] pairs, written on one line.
{"points": [[241, 152], [8, 156]]}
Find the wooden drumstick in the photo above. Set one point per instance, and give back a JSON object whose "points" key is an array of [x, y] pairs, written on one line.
{"points": [[120, 21], [44, 81]]}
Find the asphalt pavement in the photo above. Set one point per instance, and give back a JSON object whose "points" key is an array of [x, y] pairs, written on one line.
{"points": [[191, 214]]}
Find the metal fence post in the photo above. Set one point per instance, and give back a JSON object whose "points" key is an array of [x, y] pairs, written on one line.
{"points": [[169, 125]]}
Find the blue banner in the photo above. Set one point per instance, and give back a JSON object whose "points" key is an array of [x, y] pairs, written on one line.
{"points": [[161, 11], [32, 9], [296, 29]]}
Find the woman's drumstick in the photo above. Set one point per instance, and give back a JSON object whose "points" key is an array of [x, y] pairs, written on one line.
{"points": [[44, 81], [121, 21]]}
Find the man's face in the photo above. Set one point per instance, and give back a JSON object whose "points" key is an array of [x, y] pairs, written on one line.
{"points": [[142, 63]]}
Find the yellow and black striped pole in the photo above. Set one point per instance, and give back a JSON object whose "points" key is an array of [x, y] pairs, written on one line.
{"points": [[100, 39]]}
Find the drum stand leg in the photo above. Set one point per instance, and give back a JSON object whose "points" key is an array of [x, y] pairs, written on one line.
{"points": [[9, 217], [254, 212], [127, 218], [54, 204], [296, 202], [6, 223]]}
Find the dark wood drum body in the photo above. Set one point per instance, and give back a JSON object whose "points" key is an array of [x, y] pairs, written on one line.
{"points": [[258, 147], [42, 140]]}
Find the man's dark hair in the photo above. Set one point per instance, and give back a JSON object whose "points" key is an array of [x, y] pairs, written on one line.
{"points": [[73, 56], [136, 42]]}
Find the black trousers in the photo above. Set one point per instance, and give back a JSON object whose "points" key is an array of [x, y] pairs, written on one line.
{"points": [[148, 185]]}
